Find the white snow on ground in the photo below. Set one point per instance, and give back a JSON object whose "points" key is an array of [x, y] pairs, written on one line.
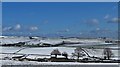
{"points": [[52, 42], [13, 62], [46, 41], [95, 52], [84, 44], [99, 53], [33, 42], [46, 50], [28, 41], [13, 40], [82, 40], [8, 56], [10, 49], [35, 57]]}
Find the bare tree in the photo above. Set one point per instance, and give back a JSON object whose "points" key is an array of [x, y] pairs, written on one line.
{"points": [[79, 53], [55, 52], [107, 53]]}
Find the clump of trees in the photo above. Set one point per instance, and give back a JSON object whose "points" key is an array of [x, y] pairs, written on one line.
{"points": [[55, 52], [78, 52]]}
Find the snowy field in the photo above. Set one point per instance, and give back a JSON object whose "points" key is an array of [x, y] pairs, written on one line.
{"points": [[53, 41], [91, 47], [46, 51], [11, 62], [10, 49]]}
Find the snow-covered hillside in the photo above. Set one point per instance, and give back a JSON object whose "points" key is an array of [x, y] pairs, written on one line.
{"points": [[38, 41], [33, 48]]}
